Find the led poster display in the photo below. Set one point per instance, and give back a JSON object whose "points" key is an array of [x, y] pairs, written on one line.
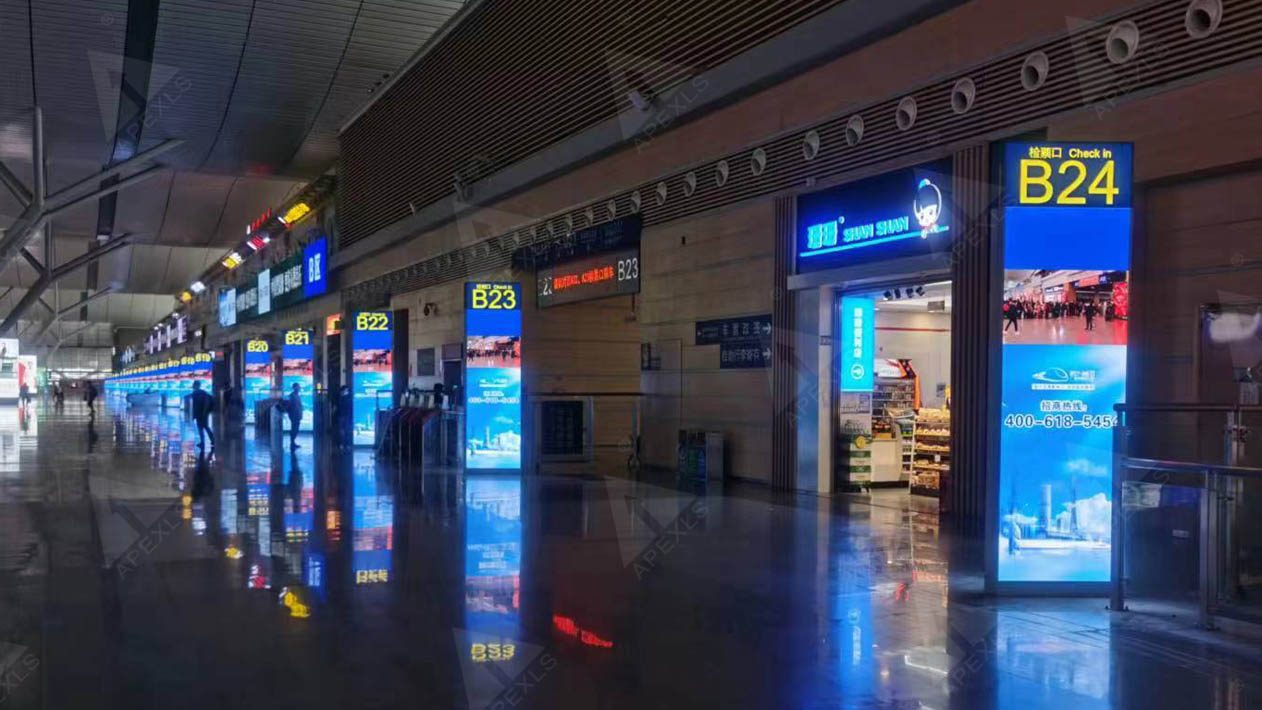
{"points": [[1067, 232], [257, 384], [372, 387], [857, 344], [493, 419], [899, 214], [298, 367]]}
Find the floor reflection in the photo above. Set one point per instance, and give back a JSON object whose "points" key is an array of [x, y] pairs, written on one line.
{"points": [[303, 578]]}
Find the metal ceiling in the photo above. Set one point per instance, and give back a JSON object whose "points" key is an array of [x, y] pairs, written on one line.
{"points": [[256, 89]]}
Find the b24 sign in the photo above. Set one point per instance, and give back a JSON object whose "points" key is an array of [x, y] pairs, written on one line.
{"points": [[1069, 175]]}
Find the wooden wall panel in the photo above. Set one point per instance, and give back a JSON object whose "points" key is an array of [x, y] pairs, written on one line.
{"points": [[718, 265], [974, 300]]}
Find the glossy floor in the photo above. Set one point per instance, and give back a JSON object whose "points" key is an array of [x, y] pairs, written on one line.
{"points": [[135, 573]]}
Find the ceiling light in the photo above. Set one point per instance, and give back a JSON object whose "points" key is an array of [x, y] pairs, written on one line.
{"points": [[232, 261], [197, 287], [186, 297]]}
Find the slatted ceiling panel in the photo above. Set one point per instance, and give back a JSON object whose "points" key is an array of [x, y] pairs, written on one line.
{"points": [[74, 41], [385, 35], [454, 105], [1076, 80], [290, 59], [193, 213], [141, 207], [15, 80], [198, 45]]}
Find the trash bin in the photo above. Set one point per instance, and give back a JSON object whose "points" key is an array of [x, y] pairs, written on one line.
{"points": [[701, 454]]}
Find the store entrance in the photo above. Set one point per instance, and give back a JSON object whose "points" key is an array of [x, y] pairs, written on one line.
{"points": [[893, 425]]}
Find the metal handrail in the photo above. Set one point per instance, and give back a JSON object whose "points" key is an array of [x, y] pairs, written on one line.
{"points": [[1212, 488], [1189, 407], [1131, 462]]}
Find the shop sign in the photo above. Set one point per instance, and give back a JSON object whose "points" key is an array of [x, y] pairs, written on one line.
{"points": [[315, 258], [286, 282], [613, 236], [1067, 207], [857, 344], [900, 214], [493, 413], [227, 307], [264, 292]]}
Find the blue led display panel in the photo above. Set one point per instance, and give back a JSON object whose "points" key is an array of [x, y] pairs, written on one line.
{"points": [[1067, 241], [493, 421], [856, 344], [257, 384], [298, 368], [372, 361]]}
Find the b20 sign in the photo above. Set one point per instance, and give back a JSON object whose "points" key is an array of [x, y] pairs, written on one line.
{"points": [[1048, 174]]}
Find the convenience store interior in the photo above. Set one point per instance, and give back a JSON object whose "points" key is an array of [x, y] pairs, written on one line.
{"points": [[901, 441]]}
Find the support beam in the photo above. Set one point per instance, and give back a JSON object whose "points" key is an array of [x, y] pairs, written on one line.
{"points": [[38, 213], [37, 289], [86, 258], [67, 196], [102, 192], [71, 309], [15, 186], [39, 163], [33, 261]]}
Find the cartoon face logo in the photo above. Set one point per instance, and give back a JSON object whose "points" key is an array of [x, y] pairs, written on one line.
{"points": [[927, 206]]}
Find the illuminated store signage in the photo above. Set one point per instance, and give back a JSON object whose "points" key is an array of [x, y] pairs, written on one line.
{"points": [[264, 292], [257, 384], [856, 344], [1067, 235], [227, 307], [286, 282], [298, 368], [899, 214], [493, 421], [315, 258], [372, 353]]}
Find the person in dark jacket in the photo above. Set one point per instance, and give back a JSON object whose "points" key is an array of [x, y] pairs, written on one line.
{"points": [[202, 405], [90, 396], [293, 407]]}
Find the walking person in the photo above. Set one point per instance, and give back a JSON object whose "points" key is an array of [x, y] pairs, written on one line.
{"points": [[1011, 314], [202, 405], [1090, 313], [90, 396], [293, 407]]}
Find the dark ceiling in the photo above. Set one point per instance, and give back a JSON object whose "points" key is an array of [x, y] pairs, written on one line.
{"points": [[256, 89]]}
